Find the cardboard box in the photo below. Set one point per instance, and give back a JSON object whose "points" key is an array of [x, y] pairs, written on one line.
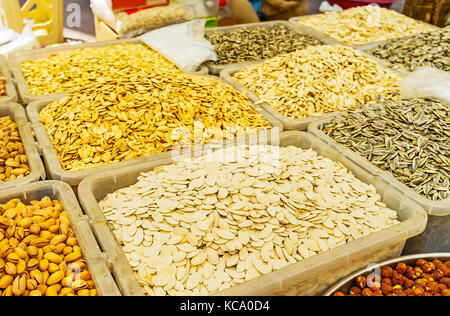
{"points": [[135, 4]]}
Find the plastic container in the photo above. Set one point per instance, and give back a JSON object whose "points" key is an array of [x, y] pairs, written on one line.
{"points": [[289, 124], [37, 171], [345, 284], [62, 192], [47, 16], [435, 238], [56, 172], [22, 86], [11, 94], [298, 20], [309, 277], [216, 69]]}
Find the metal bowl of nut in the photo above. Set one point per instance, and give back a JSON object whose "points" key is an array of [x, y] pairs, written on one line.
{"points": [[414, 275]]}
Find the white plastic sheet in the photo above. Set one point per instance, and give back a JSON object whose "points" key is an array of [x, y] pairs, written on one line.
{"points": [[183, 44], [426, 82], [26, 40]]}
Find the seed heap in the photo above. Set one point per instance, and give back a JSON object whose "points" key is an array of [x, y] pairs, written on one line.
{"points": [[123, 117], [426, 49], [2, 86], [39, 252], [13, 160], [148, 19], [249, 44], [200, 226], [318, 80], [366, 24], [67, 71], [409, 139]]}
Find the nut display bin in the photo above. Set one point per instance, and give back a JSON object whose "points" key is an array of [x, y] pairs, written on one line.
{"points": [[216, 69], [311, 276], [345, 284], [56, 172], [22, 86], [62, 192], [298, 20], [289, 124], [11, 94], [37, 170], [435, 238]]}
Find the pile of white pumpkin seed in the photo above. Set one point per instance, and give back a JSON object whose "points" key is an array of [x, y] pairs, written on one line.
{"points": [[409, 139], [422, 50], [256, 43], [204, 225]]}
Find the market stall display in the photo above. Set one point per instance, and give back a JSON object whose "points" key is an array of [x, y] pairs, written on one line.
{"points": [[423, 50], [306, 84], [54, 71], [416, 275], [275, 218], [252, 42], [47, 246], [20, 162], [364, 24]]}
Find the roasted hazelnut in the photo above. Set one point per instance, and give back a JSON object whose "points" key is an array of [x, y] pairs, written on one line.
{"points": [[433, 287], [355, 290], [377, 292], [420, 262], [418, 273], [386, 272], [442, 287], [410, 273], [366, 292], [446, 292], [401, 268], [437, 274], [437, 294], [409, 292], [399, 292], [446, 281], [386, 288], [339, 294], [420, 283], [398, 279], [427, 294], [408, 284], [427, 277], [418, 291], [361, 281], [428, 267], [447, 263]]}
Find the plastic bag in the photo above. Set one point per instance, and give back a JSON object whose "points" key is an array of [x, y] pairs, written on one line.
{"points": [[183, 44], [325, 6], [133, 23], [426, 82], [26, 40]]}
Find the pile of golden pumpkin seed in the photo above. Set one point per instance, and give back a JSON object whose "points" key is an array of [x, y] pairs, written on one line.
{"points": [[126, 117], [3, 91], [409, 139], [365, 24], [204, 225], [250, 44], [426, 49], [317, 80], [39, 252], [13, 159], [66, 71]]}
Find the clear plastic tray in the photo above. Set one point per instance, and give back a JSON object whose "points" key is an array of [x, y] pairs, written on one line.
{"points": [[298, 20], [436, 208], [309, 277], [56, 172], [289, 124], [37, 170], [96, 260], [11, 95], [216, 69], [17, 58]]}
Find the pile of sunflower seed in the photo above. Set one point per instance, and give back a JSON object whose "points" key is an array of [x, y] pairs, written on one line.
{"points": [[410, 139], [426, 49], [250, 44]]}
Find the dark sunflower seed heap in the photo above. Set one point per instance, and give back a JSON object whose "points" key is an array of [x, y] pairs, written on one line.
{"points": [[243, 45], [409, 139], [426, 49]]}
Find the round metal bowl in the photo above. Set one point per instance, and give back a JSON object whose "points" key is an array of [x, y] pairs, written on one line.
{"points": [[345, 284]]}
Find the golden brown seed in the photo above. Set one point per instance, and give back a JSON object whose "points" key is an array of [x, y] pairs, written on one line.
{"points": [[74, 256], [6, 281], [55, 278], [43, 265], [84, 292], [35, 293], [53, 257], [10, 268], [32, 284], [52, 268], [65, 291]]}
